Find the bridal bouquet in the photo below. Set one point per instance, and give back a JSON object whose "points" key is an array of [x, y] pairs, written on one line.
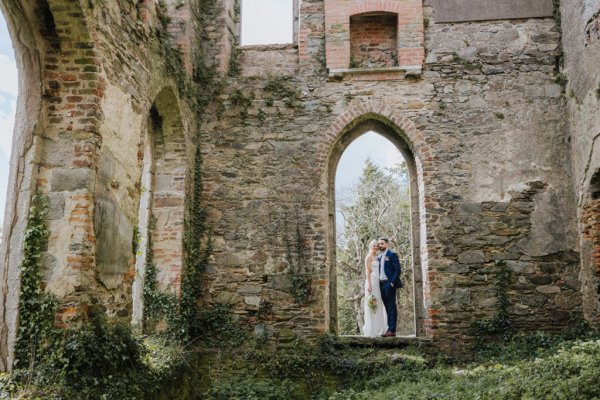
{"points": [[372, 302]]}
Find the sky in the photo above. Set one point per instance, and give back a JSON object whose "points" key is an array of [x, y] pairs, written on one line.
{"points": [[267, 22], [370, 146], [8, 102]]}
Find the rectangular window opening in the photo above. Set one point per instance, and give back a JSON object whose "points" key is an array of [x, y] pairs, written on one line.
{"points": [[267, 22], [373, 40]]}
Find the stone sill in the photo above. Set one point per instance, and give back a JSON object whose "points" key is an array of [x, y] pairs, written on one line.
{"points": [[269, 47], [391, 342], [383, 73]]}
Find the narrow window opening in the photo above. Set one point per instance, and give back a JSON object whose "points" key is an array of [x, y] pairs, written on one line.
{"points": [[372, 200], [374, 40], [267, 22], [595, 186]]}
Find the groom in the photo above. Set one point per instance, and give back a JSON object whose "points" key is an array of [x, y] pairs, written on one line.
{"points": [[389, 281]]}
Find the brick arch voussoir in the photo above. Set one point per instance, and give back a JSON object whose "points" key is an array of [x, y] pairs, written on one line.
{"points": [[375, 6], [358, 112]]}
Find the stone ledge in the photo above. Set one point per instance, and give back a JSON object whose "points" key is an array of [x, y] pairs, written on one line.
{"points": [[269, 47], [381, 342], [379, 73]]}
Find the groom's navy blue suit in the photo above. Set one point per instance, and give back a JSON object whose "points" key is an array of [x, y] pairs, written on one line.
{"points": [[392, 268]]}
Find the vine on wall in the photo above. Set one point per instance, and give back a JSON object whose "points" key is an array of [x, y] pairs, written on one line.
{"points": [[37, 309], [180, 313], [299, 278], [499, 325]]}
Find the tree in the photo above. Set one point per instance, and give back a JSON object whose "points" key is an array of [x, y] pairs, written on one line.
{"points": [[378, 205]]}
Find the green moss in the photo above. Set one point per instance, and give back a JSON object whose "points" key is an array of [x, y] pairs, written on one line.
{"points": [[299, 276], [561, 79]]}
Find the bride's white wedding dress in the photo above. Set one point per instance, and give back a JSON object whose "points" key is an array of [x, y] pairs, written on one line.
{"points": [[375, 321]]}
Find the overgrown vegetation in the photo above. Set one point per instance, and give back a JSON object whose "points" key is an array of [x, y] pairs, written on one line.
{"points": [[36, 308], [524, 367], [98, 359], [299, 277], [94, 360], [180, 313], [499, 326]]}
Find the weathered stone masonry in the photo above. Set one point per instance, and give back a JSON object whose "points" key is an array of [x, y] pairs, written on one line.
{"points": [[107, 127]]}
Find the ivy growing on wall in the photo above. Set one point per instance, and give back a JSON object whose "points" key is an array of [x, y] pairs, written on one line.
{"points": [[299, 278], [499, 325], [197, 246], [180, 313], [36, 308]]}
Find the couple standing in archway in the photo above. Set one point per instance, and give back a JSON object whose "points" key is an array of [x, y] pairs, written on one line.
{"points": [[383, 269]]}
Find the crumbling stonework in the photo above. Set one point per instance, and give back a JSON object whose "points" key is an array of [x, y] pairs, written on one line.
{"points": [[582, 53], [121, 94]]}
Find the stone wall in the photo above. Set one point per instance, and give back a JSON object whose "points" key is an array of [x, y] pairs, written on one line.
{"points": [[582, 54], [484, 123], [103, 67]]}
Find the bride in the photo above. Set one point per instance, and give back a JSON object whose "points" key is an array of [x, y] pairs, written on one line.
{"points": [[374, 311]]}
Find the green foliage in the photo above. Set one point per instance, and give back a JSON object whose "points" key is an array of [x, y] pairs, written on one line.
{"points": [[197, 249], [498, 326], [180, 314], [281, 91], [238, 98], [300, 279], [598, 92], [251, 389], [158, 306], [36, 308], [561, 79], [570, 372], [216, 327]]}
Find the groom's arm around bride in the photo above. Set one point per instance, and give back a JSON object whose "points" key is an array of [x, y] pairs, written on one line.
{"points": [[394, 262]]}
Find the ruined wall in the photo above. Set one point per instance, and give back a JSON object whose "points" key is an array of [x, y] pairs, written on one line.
{"points": [[581, 27], [484, 121], [112, 147], [102, 68]]}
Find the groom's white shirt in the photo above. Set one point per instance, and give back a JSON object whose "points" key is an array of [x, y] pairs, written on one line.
{"points": [[382, 275]]}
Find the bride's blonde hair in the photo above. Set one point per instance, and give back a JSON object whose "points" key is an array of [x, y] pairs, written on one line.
{"points": [[371, 244]]}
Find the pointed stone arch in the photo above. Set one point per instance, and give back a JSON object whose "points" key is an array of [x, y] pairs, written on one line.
{"points": [[165, 179], [361, 117]]}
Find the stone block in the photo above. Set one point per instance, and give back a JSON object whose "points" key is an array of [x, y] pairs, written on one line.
{"points": [[56, 206], [548, 289], [471, 257], [520, 267], [64, 179], [485, 10]]}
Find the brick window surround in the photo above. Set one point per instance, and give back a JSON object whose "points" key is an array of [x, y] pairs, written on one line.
{"points": [[373, 40], [409, 29]]}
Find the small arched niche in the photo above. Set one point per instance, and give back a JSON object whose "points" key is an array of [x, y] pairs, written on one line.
{"points": [[396, 138], [163, 188], [374, 40]]}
